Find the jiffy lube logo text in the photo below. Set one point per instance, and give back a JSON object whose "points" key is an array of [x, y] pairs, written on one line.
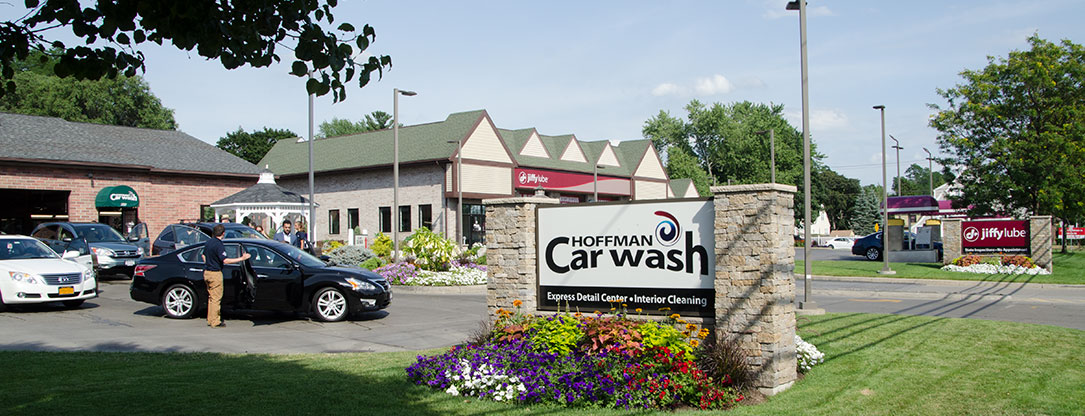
{"points": [[668, 230], [630, 251], [532, 178]]}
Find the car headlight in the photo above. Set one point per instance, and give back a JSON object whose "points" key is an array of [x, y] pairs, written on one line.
{"points": [[359, 284], [24, 277], [139, 250], [102, 252], [87, 274]]}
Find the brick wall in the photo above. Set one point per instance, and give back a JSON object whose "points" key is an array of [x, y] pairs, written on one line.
{"points": [[369, 190], [163, 198]]}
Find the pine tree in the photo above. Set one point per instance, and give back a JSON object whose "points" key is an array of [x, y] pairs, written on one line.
{"points": [[866, 212]]}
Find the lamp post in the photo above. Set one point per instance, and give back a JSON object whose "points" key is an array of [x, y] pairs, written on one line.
{"points": [[395, 167], [595, 181], [800, 5], [312, 202], [772, 151], [930, 168], [897, 146], [459, 190], [885, 204]]}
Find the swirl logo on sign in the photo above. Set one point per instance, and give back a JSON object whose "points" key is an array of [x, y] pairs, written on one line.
{"points": [[667, 230]]}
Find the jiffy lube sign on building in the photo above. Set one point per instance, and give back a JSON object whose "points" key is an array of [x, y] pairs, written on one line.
{"points": [[651, 256], [994, 237]]}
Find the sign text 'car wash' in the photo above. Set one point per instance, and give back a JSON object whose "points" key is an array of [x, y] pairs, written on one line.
{"points": [[650, 256], [995, 237]]}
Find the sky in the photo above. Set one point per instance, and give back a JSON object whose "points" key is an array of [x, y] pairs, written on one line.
{"points": [[600, 69]]}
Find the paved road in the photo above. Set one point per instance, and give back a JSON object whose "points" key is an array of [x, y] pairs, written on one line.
{"points": [[114, 322], [420, 320], [824, 253], [1049, 304]]}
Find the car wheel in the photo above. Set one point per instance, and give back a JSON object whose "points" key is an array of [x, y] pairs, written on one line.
{"points": [[73, 303], [873, 254], [329, 305], [179, 301]]}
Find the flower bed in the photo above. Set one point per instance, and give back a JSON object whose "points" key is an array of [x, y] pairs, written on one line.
{"points": [[410, 275], [591, 360], [972, 263]]}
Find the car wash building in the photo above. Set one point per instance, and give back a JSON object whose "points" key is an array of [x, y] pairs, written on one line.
{"points": [[55, 170], [464, 156]]}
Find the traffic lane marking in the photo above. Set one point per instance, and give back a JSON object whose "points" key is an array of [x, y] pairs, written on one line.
{"points": [[876, 300]]}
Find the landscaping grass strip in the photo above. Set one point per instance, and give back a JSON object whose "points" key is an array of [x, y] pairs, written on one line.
{"points": [[1069, 269]]}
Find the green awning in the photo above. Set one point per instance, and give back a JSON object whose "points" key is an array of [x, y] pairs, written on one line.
{"points": [[120, 196]]}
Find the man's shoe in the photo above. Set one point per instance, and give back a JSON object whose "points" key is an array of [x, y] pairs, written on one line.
{"points": [[220, 325]]}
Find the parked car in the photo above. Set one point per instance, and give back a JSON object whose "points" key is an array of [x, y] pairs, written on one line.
{"points": [[870, 246], [277, 277], [114, 253], [841, 242], [31, 272], [177, 236]]}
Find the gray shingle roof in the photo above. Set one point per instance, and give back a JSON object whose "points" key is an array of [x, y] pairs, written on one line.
{"points": [[263, 193], [51, 138]]}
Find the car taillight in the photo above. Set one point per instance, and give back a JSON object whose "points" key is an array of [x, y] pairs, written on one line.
{"points": [[140, 269]]}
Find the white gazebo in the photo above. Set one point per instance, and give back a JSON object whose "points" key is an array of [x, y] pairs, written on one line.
{"points": [[266, 198]]}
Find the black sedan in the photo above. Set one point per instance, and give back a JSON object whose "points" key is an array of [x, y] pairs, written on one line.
{"points": [[870, 246], [276, 277]]}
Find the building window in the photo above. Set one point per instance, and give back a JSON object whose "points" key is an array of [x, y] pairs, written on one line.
{"points": [[333, 221], [404, 218], [386, 219], [473, 221], [352, 218], [425, 216]]}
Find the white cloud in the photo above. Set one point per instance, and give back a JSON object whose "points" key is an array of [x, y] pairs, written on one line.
{"points": [[716, 84], [819, 119], [666, 88], [751, 82]]}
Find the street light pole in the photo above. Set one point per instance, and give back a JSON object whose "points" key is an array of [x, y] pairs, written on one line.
{"points": [[459, 190], [312, 191], [930, 168], [772, 151], [800, 5], [897, 146], [595, 181], [885, 204], [395, 168]]}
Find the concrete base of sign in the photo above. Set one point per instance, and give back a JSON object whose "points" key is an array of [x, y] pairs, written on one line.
{"points": [[914, 256], [809, 309], [775, 390]]}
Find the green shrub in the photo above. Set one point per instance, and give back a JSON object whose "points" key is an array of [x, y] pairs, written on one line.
{"points": [[351, 255], [373, 263], [432, 251], [611, 334], [382, 245], [557, 334], [656, 334], [328, 246]]}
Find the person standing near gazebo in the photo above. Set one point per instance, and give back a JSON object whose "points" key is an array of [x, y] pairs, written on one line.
{"points": [[287, 235]]}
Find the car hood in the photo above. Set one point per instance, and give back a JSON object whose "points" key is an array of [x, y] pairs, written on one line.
{"points": [[354, 272], [41, 266], [114, 245]]}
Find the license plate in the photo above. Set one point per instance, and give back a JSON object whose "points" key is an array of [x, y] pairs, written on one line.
{"points": [[67, 290], [129, 262]]}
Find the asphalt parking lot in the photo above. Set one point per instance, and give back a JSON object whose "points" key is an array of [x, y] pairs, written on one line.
{"points": [[113, 322]]}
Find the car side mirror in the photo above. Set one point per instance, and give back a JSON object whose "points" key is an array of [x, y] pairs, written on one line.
{"points": [[71, 254], [133, 238]]}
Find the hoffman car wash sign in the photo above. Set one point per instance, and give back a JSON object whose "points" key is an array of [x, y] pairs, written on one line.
{"points": [[995, 237], [649, 255]]}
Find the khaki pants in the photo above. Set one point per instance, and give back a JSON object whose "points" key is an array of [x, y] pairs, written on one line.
{"points": [[214, 296]]}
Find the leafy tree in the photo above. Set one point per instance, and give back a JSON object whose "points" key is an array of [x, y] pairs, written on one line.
{"points": [[917, 180], [252, 146], [867, 210], [232, 32], [1016, 128], [837, 195], [725, 141], [377, 120], [123, 101], [682, 164]]}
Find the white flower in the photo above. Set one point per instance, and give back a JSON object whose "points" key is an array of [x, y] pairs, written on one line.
{"points": [[985, 268], [807, 355]]}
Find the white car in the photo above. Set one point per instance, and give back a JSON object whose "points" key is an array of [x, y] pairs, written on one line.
{"points": [[841, 242], [30, 272]]}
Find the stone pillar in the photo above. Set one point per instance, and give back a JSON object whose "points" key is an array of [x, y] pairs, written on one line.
{"points": [[755, 284], [951, 240], [510, 252], [1041, 237]]}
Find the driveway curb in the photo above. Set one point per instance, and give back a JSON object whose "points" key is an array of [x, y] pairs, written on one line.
{"points": [[441, 290], [939, 282]]}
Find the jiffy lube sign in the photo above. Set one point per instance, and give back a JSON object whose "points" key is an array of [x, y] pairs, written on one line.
{"points": [[993, 237], [651, 256]]}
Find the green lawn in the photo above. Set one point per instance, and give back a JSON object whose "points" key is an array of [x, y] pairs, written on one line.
{"points": [[876, 364], [1069, 269]]}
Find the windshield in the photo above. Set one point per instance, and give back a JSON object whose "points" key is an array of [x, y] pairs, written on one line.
{"points": [[99, 233], [300, 256], [243, 233], [24, 248]]}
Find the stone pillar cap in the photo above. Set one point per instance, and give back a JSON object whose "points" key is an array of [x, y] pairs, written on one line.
{"points": [[754, 187], [521, 200]]}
